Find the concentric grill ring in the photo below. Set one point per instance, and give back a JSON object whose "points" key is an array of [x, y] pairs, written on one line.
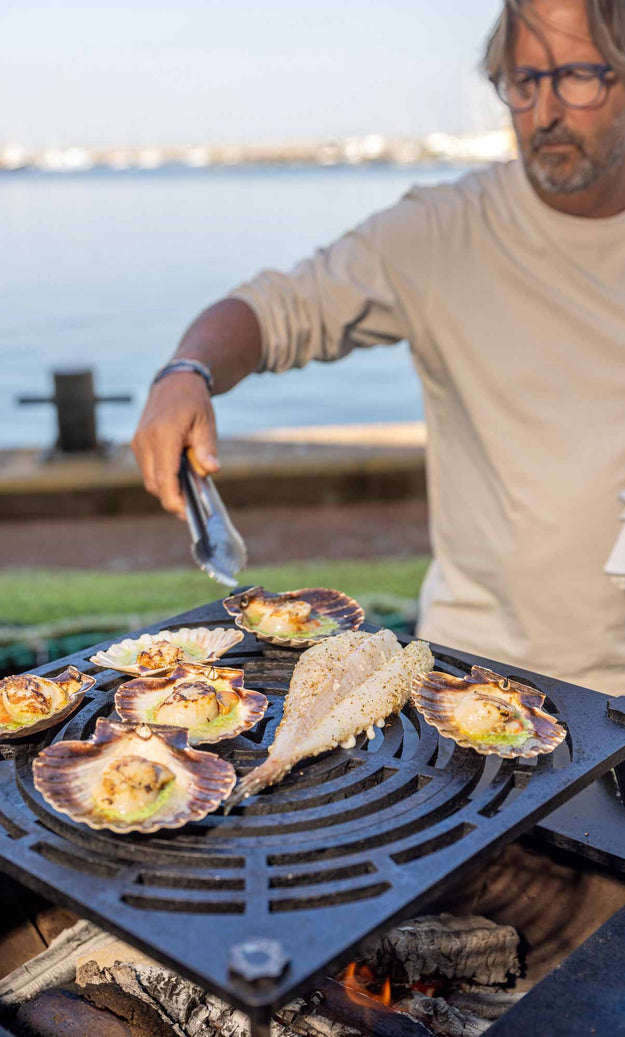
{"points": [[346, 843]]}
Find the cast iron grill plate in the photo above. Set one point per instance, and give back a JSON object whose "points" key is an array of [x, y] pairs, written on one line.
{"points": [[346, 845]]}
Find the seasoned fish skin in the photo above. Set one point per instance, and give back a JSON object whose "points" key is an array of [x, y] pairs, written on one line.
{"points": [[329, 671], [339, 688], [386, 691]]}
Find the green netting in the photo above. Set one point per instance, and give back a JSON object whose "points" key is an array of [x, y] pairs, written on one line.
{"points": [[20, 656]]}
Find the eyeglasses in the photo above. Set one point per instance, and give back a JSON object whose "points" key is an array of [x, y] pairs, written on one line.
{"points": [[577, 85]]}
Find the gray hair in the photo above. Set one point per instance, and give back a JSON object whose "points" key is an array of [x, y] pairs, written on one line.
{"points": [[606, 19]]}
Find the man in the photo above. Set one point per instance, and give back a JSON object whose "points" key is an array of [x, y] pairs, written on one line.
{"points": [[510, 287]]}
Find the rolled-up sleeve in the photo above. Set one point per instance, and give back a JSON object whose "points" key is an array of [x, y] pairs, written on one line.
{"points": [[350, 294]]}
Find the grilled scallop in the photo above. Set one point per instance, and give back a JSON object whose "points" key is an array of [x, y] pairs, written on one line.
{"points": [[488, 713], [151, 654], [210, 702], [132, 778], [29, 703], [130, 788], [160, 655], [298, 618]]}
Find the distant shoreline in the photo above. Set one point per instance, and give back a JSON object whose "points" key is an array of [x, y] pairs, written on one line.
{"points": [[370, 149], [253, 166]]}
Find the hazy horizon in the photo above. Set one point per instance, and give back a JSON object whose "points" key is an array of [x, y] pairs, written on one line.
{"points": [[139, 73]]}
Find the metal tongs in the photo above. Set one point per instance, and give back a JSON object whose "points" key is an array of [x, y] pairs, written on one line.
{"points": [[216, 546]]}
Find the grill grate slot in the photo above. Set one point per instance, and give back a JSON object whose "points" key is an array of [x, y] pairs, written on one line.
{"points": [[78, 863], [349, 895], [433, 845], [12, 830], [178, 880], [312, 878], [183, 905]]}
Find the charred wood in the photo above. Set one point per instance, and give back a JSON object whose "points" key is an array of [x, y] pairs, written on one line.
{"points": [[182, 1006], [489, 1004], [471, 948], [441, 1018], [58, 1013], [55, 965]]}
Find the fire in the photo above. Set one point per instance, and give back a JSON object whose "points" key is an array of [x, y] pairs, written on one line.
{"points": [[357, 980]]}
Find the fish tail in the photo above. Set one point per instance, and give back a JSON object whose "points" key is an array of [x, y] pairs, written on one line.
{"points": [[268, 773]]}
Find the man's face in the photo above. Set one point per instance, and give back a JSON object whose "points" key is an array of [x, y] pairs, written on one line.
{"points": [[567, 150]]}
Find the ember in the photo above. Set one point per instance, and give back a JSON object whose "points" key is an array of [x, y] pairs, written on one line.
{"points": [[361, 980], [430, 987]]}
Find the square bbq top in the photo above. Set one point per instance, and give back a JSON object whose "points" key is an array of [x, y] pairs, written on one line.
{"points": [[349, 843]]}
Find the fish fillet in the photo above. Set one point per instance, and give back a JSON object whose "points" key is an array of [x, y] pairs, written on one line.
{"points": [[340, 687]]}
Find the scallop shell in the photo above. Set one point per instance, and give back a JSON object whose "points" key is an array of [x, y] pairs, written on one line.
{"points": [[438, 696], [238, 708], [198, 645], [65, 693], [69, 774], [326, 605]]}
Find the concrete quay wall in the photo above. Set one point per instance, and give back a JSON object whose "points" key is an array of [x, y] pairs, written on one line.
{"points": [[296, 466]]}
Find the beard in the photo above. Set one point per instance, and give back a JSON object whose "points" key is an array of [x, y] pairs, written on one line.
{"points": [[578, 170]]}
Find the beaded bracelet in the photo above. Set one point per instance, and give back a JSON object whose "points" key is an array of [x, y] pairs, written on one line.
{"points": [[183, 363]]}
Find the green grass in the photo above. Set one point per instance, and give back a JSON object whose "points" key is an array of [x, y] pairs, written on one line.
{"points": [[35, 596]]}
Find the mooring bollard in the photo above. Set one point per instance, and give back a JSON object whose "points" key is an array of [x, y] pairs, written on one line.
{"points": [[75, 402]]}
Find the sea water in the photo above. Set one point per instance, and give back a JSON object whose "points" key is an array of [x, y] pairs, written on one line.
{"points": [[106, 269]]}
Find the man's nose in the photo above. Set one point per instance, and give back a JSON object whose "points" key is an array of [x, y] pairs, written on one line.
{"points": [[548, 108]]}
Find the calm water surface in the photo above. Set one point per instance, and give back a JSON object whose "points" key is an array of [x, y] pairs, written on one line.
{"points": [[105, 270]]}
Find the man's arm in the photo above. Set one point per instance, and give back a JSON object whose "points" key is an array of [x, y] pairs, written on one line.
{"points": [[343, 297], [179, 413]]}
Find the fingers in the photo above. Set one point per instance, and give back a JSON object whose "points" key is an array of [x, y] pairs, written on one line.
{"points": [[202, 452], [177, 415], [158, 454], [167, 465]]}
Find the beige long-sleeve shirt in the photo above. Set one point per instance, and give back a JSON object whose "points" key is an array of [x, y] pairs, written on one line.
{"points": [[515, 314]]}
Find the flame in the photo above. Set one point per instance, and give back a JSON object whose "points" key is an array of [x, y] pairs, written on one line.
{"points": [[357, 980]]}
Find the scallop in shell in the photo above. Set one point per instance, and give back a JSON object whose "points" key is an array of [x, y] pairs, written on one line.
{"points": [[151, 654], [298, 618], [132, 778], [30, 703], [210, 702], [488, 713]]}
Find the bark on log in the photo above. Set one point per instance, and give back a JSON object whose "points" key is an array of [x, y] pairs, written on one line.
{"points": [[441, 1018], [183, 1006], [55, 965], [471, 948], [188, 1010], [305, 1018], [488, 1004], [57, 1013]]}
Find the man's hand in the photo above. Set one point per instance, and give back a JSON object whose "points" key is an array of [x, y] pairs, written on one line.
{"points": [[178, 414]]}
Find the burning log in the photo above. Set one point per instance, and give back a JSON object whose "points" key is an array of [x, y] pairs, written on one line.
{"points": [[489, 1004], [441, 1018], [471, 948], [305, 1018], [187, 1010], [152, 1001]]}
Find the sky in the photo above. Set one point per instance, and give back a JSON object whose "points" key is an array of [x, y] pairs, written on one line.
{"points": [[134, 72]]}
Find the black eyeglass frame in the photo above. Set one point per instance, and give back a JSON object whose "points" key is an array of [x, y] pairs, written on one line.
{"points": [[555, 74]]}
